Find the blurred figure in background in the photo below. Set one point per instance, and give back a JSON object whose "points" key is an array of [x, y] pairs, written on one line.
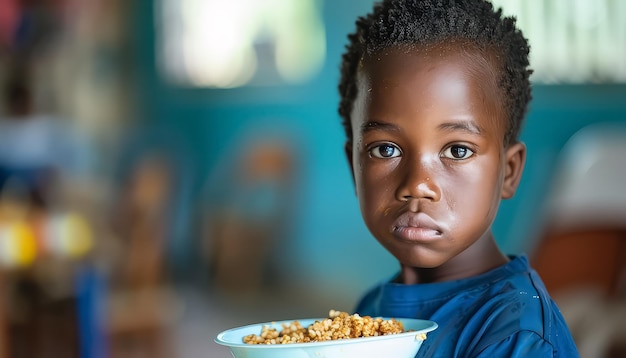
{"points": [[31, 144]]}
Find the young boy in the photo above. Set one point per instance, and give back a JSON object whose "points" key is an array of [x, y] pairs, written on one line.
{"points": [[433, 94]]}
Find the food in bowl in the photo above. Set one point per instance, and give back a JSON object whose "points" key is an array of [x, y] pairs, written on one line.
{"points": [[397, 345], [338, 325]]}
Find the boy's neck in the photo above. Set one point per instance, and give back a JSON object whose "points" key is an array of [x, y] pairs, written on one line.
{"points": [[479, 258]]}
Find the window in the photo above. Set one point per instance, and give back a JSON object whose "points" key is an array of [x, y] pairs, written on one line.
{"points": [[573, 41], [231, 43]]}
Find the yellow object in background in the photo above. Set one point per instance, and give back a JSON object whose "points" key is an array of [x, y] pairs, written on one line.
{"points": [[68, 235], [77, 236], [18, 247]]}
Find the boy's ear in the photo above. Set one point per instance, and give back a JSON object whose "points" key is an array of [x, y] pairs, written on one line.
{"points": [[348, 150], [515, 156]]}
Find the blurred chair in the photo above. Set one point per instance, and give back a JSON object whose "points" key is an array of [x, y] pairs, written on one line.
{"points": [[581, 252], [140, 305], [248, 210]]}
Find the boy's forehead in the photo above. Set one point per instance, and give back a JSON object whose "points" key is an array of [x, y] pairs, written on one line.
{"points": [[383, 70], [483, 64]]}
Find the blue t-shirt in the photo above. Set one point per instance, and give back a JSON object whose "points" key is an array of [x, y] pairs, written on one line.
{"points": [[505, 312]]}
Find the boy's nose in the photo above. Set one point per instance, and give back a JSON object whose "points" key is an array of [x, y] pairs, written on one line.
{"points": [[418, 183]]}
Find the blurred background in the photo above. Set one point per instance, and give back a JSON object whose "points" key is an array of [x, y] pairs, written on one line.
{"points": [[173, 168]]}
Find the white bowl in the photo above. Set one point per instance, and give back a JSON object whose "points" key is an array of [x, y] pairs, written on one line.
{"points": [[394, 345]]}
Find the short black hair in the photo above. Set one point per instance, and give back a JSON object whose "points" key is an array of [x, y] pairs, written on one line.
{"points": [[425, 22]]}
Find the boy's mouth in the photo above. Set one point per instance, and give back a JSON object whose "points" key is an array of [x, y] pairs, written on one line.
{"points": [[416, 227]]}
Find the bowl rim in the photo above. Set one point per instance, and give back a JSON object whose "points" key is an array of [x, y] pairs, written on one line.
{"points": [[429, 327]]}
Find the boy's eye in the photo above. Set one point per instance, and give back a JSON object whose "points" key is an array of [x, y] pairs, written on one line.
{"points": [[385, 151], [457, 152]]}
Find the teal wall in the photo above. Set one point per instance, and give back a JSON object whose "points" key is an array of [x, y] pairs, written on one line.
{"points": [[329, 245], [556, 113]]}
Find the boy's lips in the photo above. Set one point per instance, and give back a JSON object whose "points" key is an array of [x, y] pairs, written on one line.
{"points": [[416, 227]]}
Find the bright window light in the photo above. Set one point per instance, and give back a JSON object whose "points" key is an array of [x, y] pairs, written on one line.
{"points": [[573, 41], [231, 43]]}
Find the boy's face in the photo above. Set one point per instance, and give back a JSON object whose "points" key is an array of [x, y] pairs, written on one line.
{"points": [[427, 156]]}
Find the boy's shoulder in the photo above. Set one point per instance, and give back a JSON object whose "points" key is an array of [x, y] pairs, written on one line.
{"points": [[478, 312], [512, 294]]}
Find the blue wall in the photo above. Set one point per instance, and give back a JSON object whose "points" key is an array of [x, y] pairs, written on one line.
{"points": [[330, 245], [556, 113]]}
